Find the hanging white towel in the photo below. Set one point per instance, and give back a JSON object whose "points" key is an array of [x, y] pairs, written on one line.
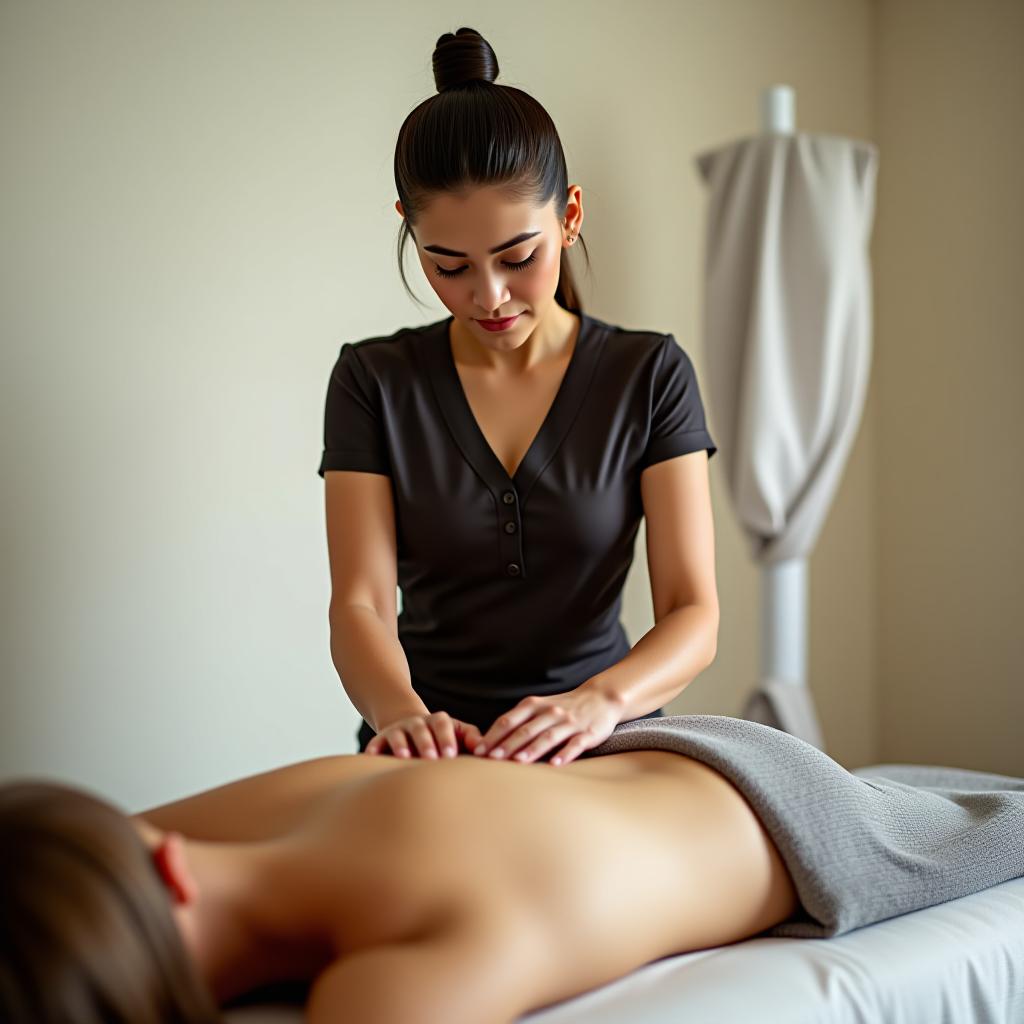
{"points": [[787, 325]]}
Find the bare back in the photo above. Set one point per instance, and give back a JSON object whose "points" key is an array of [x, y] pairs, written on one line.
{"points": [[586, 870]]}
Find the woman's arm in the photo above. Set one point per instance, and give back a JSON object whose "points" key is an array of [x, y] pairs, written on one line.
{"points": [[681, 566], [362, 551]]}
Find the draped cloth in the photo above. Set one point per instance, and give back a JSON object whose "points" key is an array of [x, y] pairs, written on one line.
{"points": [[787, 325]]}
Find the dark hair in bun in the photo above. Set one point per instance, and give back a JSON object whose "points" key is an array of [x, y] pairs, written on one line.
{"points": [[461, 58], [475, 133]]}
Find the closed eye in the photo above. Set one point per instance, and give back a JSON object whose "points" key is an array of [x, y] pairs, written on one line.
{"points": [[511, 266]]}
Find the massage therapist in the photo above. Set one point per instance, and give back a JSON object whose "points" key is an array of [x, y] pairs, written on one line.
{"points": [[495, 464]]}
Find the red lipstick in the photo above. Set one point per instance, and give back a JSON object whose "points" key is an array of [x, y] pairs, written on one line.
{"points": [[499, 325]]}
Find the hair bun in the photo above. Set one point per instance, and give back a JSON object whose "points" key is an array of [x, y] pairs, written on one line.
{"points": [[462, 58]]}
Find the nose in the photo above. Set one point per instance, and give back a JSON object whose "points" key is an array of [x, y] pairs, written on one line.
{"points": [[491, 293]]}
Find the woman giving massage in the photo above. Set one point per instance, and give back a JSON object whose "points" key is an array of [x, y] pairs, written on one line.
{"points": [[462, 890]]}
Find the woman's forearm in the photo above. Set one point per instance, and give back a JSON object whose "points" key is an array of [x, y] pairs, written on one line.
{"points": [[662, 663], [372, 666]]}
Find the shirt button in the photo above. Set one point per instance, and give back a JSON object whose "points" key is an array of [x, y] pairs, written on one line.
{"points": [[508, 497], [513, 569], [510, 527]]}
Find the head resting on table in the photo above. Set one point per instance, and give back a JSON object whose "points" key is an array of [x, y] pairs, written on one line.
{"points": [[90, 914]]}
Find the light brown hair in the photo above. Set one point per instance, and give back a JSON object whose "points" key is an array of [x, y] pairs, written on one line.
{"points": [[86, 929]]}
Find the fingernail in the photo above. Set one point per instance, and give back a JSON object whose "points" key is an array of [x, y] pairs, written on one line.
{"points": [[431, 753], [449, 751], [522, 755], [481, 749], [497, 752]]}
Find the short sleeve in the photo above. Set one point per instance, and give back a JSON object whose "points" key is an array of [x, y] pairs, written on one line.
{"points": [[677, 413], [353, 436]]}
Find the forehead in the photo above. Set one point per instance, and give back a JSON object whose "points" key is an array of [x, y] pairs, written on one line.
{"points": [[478, 219]]}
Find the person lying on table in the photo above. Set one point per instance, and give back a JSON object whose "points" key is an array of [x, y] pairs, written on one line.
{"points": [[468, 890]]}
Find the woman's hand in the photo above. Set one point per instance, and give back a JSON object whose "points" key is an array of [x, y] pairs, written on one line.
{"points": [[536, 724], [428, 735]]}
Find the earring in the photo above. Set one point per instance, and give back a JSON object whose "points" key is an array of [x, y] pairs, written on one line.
{"points": [[569, 239]]}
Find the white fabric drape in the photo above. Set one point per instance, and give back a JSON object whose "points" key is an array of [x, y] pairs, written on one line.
{"points": [[787, 325]]}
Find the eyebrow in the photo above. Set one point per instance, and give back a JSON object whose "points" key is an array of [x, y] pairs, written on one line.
{"points": [[442, 251]]}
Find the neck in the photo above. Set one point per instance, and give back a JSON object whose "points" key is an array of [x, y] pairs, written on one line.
{"points": [[551, 339], [257, 919]]}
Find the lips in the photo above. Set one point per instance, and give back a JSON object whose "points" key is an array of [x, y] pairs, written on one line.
{"points": [[499, 325]]}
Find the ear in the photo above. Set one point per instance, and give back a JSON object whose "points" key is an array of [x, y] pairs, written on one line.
{"points": [[172, 864], [574, 207], [398, 207]]}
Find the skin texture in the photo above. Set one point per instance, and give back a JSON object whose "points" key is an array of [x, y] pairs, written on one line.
{"points": [[463, 889]]}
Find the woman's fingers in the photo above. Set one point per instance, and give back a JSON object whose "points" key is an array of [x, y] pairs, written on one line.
{"points": [[392, 738], [422, 738], [470, 735], [432, 735], [444, 733], [535, 735], [580, 719], [571, 750], [505, 723], [545, 741], [401, 745]]}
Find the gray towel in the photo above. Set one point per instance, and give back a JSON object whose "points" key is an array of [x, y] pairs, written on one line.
{"points": [[861, 846]]}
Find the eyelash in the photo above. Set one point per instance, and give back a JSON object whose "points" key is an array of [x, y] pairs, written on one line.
{"points": [[511, 266]]}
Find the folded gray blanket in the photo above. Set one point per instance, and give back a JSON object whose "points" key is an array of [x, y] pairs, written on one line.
{"points": [[861, 846]]}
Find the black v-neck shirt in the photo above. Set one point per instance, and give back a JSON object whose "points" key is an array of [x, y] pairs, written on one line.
{"points": [[511, 586]]}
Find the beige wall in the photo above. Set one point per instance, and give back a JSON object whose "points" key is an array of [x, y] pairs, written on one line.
{"points": [[198, 210], [949, 452]]}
